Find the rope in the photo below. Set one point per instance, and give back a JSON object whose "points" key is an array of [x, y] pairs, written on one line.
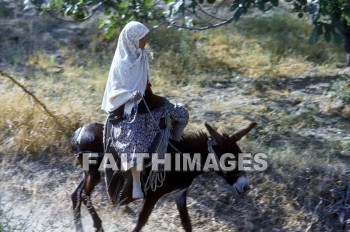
{"points": [[156, 179], [136, 107]]}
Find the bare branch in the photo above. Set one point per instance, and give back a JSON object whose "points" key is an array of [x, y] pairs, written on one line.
{"points": [[199, 17], [35, 99], [156, 3], [171, 24], [93, 11]]}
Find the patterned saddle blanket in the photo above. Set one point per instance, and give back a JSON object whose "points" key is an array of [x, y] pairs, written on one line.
{"points": [[148, 133], [119, 136]]}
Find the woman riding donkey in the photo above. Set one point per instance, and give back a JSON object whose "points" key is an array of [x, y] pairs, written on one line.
{"points": [[127, 87]]}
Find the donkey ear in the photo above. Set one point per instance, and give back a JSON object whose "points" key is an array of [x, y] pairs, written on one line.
{"points": [[242, 132], [213, 133]]}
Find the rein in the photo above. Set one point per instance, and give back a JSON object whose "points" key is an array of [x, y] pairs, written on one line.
{"points": [[211, 142], [156, 179]]}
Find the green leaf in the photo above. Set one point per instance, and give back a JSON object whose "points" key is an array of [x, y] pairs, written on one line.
{"points": [[102, 23], [314, 35], [109, 28], [123, 5], [148, 3], [346, 16]]}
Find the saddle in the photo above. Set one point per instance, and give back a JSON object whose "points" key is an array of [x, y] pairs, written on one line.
{"points": [[119, 183]]}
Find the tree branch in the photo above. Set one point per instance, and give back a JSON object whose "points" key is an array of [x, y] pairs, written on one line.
{"points": [[171, 24], [93, 11], [35, 99], [199, 17], [156, 3]]}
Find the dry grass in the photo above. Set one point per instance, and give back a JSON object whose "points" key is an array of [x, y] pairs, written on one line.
{"points": [[28, 129], [275, 46]]}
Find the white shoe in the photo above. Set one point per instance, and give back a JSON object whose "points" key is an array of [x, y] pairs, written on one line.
{"points": [[137, 193], [136, 185]]}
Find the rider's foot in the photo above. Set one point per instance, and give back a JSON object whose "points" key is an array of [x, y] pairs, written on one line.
{"points": [[138, 194], [136, 185]]}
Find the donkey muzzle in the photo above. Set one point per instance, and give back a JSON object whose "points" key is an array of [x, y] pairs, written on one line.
{"points": [[242, 184]]}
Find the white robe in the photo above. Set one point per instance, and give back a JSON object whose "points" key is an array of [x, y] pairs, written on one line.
{"points": [[129, 71]]}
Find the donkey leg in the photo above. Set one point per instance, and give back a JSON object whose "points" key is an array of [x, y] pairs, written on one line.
{"points": [[90, 183], [76, 198], [182, 207], [146, 211], [96, 219]]}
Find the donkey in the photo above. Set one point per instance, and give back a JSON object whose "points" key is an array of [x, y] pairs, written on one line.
{"points": [[89, 138]]}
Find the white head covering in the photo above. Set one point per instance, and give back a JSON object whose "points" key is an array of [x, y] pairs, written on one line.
{"points": [[129, 71]]}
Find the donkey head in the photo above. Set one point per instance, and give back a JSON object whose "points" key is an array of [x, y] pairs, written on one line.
{"points": [[227, 153]]}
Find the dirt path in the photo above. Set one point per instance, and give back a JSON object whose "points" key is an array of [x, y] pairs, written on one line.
{"points": [[35, 197]]}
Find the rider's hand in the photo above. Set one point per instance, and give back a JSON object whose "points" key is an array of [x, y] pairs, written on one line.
{"points": [[135, 96], [177, 131]]}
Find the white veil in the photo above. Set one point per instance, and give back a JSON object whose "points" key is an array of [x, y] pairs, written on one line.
{"points": [[129, 71]]}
